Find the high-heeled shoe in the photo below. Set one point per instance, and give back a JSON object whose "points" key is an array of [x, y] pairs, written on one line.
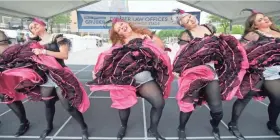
{"points": [[274, 128], [215, 131], [22, 129], [121, 133], [45, 133], [154, 133], [233, 129], [181, 134], [85, 134]]}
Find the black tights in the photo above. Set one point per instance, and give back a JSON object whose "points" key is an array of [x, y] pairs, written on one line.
{"points": [[152, 93], [18, 108], [50, 106], [272, 89], [213, 98]]}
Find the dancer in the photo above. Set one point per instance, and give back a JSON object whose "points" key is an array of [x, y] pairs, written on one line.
{"points": [[261, 38], [61, 82], [210, 69], [15, 105], [135, 65]]}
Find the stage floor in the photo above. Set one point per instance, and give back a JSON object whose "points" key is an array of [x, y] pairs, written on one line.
{"points": [[103, 121]]}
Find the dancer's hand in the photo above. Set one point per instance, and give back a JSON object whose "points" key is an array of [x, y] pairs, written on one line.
{"points": [[218, 34], [39, 51], [93, 75], [146, 36], [176, 74]]}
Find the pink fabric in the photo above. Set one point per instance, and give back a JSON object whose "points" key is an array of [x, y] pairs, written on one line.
{"points": [[184, 83], [164, 56], [245, 65], [83, 107], [115, 20], [39, 21], [10, 79], [204, 73], [124, 96], [51, 62]]}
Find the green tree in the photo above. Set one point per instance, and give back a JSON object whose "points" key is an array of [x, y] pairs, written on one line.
{"points": [[60, 19], [168, 33], [224, 23], [236, 29]]}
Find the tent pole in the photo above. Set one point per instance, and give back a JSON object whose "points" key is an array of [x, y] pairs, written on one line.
{"points": [[230, 26]]}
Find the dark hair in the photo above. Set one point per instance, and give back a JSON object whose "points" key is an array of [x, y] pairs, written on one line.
{"points": [[250, 22], [36, 38]]}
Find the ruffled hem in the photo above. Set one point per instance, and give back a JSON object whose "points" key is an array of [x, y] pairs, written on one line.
{"points": [[230, 64], [115, 69], [262, 53]]}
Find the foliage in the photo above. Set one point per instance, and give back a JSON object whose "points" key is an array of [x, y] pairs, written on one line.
{"points": [[223, 23], [169, 33], [236, 29], [59, 19]]}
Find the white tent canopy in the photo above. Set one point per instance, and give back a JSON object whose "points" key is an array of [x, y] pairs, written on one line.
{"points": [[226, 9], [231, 9], [41, 8]]}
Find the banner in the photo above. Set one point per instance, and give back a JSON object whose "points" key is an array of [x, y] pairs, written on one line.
{"points": [[95, 20]]}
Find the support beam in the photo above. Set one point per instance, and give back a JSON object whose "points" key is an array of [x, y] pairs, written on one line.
{"points": [[17, 13], [271, 14], [210, 12], [86, 4]]}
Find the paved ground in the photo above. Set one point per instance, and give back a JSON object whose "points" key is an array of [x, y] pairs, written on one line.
{"points": [[103, 121]]}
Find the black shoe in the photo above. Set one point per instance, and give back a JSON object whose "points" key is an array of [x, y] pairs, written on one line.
{"points": [[215, 131], [121, 133], [85, 134], [274, 128], [181, 134], [155, 134], [22, 129], [45, 133], [233, 129]]}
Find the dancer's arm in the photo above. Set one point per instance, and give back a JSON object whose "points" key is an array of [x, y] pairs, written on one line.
{"points": [[184, 39], [158, 42], [64, 45], [251, 36], [63, 49]]}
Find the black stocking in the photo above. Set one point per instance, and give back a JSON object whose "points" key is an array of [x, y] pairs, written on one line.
{"points": [[78, 116], [49, 110], [124, 115], [273, 88], [153, 94], [240, 104], [18, 108], [184, 118], [213, 98]]}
